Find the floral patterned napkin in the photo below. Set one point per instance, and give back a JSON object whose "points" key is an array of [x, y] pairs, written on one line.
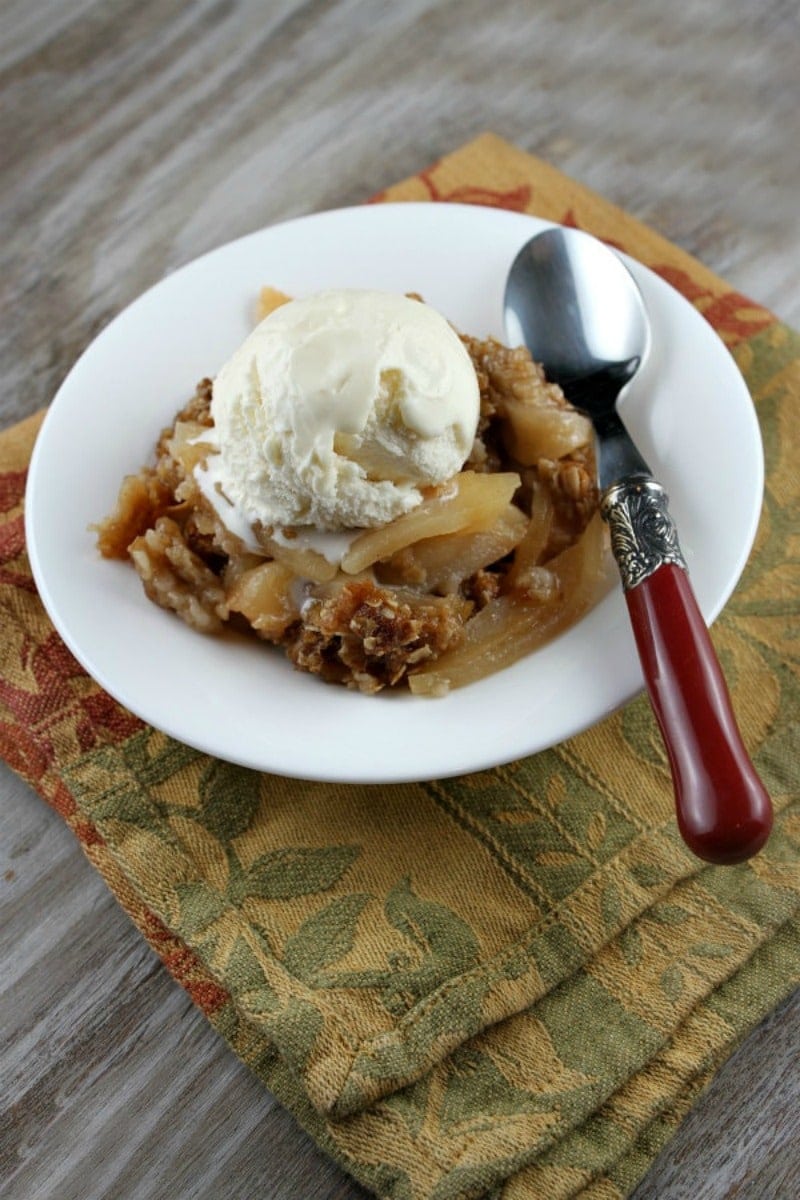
{"points": [[513, 983]]}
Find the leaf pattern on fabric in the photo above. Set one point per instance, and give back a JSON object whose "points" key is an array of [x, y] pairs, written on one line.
{"points": [[297, 871], [323, 939], [229, 797]]}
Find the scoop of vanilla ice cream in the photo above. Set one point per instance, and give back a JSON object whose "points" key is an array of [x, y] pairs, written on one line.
{"points": [[338, 408]]}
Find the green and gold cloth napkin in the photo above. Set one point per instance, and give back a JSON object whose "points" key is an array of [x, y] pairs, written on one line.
{"points": [[511, 984]]}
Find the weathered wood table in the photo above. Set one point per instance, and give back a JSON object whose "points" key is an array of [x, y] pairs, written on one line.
{"points": [[137, 134]]}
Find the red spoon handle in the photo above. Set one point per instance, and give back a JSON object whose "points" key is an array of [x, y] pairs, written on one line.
{"points": [[724, 812]]}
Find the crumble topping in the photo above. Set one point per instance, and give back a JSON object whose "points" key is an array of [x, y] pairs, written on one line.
{"points": [[414, 605]]}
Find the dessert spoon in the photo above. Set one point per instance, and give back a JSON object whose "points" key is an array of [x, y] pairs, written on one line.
{"points": [[573, 303]]}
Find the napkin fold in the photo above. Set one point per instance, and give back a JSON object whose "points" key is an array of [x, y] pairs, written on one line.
{"points": [[511, 984]]}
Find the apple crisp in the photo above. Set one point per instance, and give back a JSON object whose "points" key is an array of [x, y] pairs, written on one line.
{"points": [[485, 569]]}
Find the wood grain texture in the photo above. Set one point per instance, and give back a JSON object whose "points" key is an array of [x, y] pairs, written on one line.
{"points": [[136, 134]]}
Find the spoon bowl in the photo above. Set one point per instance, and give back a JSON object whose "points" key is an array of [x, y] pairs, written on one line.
{"points": [[554, 306], [577, 308], [573, 303]]}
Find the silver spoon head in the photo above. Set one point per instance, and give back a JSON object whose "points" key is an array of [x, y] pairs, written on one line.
{"points": [[572, 301]]}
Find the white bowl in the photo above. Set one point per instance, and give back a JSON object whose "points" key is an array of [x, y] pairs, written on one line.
{"points": [[688, 409]]}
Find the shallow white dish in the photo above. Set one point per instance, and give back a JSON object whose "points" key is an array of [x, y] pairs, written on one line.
{"points": [[688, 409]]}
